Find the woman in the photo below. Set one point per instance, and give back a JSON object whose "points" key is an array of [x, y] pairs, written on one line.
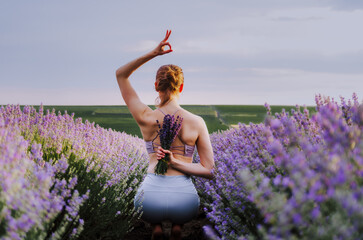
{"points": [[171, 196]]}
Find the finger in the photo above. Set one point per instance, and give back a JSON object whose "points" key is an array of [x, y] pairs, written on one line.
{"points": [[165, 151], [166, 36], [159, 156], [168, 44], [163, 47], [159, 152], [163, 44], [166, 51]]}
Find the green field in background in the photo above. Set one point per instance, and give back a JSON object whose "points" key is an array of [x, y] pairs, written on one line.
{"points": [[217, 117]]}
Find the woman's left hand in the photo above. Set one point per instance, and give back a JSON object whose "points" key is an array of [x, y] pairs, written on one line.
{"points": [[161, 153]]}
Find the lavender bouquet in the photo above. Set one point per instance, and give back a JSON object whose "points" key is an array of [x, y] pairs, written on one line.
{"points": [[167, 134]]}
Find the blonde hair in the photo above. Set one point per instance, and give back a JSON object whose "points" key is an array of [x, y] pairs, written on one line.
{"points": [[169, 78]]}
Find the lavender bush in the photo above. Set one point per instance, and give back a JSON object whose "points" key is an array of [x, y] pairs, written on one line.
{"points": [[64, 179], [224, 199], [26, 201], [295, 177]]}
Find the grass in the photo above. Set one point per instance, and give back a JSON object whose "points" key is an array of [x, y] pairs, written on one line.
{"points": [[233, 114], [217, 117]]}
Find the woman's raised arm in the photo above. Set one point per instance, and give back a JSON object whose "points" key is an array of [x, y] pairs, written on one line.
{"points": [[136, 107]]}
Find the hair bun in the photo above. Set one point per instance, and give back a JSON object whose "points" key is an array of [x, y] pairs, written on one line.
{"points": [[169, 79]]}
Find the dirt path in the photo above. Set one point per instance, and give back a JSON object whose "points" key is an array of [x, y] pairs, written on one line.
{"points": [[218, 115], [192, 230]]}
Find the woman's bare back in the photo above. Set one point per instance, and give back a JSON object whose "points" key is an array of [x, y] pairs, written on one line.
{"points": [[188, 134]]}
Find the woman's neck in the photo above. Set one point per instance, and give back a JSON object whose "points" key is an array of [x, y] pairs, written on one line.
{"points": [[171, 104]]}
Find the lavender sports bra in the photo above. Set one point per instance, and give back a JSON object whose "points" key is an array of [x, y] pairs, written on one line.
{"points": [[185, 150]]}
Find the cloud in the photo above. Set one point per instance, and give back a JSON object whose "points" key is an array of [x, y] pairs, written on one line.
{"points": [[60, 96], [348, 63], [141, 46], [340, 5], [294, 19], [345, 5]]}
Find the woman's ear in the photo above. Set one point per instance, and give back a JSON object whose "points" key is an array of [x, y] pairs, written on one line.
{"points": [[181, 87], [156, 85]]}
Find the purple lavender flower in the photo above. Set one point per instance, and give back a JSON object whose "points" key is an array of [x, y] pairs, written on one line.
{"points": [[167, 134]]}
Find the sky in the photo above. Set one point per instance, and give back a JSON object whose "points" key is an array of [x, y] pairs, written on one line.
{"points": [[281, 52]]}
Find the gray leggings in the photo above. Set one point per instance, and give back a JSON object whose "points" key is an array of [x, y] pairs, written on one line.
{"points": [[171, 198]]}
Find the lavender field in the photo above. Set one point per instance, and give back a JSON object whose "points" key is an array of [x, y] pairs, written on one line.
{"points": [[297, 175]]}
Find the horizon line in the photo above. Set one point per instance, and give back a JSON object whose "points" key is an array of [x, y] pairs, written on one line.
{"points": [[155, 105]]}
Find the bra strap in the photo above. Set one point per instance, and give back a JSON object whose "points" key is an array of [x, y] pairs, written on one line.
{"points": [[176, 112], [165, 114], [161, 111]]}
